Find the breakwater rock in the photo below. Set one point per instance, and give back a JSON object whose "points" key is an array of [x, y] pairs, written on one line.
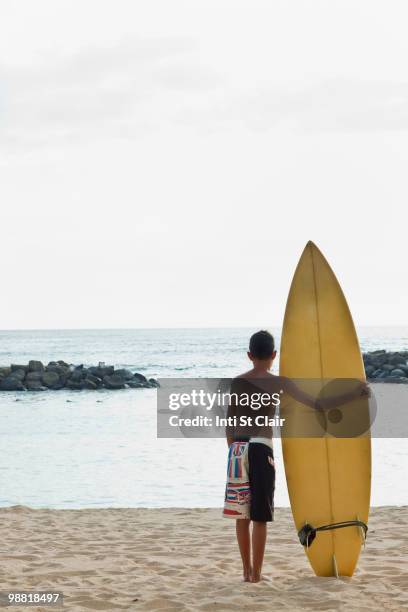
{"points": [[61, 375], [386, 366]]}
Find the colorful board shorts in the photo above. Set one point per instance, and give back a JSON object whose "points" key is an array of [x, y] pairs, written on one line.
{"points": [[237, 492], [249, 493]]}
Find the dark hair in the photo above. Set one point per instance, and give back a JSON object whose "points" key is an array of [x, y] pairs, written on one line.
{"points": [[261, 345]]}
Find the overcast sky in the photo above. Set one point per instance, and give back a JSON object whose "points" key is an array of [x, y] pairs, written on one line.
{"points": [[163, 163]]}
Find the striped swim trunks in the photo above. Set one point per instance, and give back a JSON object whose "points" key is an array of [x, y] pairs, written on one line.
{"points": [[237, 491]]}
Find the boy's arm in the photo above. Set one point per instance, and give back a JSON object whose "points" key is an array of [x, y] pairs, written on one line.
{"points": [[323, 403]]}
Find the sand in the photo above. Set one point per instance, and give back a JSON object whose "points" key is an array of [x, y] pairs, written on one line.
{"points": [[142, 559]]}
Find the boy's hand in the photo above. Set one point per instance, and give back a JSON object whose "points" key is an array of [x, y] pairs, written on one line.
{"points": [[363, 390]]}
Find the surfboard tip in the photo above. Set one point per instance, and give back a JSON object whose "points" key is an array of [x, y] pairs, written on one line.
{"points": [[313, 248], [310, 244]]}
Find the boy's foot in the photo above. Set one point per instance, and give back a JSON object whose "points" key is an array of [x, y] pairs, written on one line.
{"points": [[246, 577], [259, 578]]}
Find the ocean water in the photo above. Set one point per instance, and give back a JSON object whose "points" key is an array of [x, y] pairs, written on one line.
{"points": [[69, 449]]}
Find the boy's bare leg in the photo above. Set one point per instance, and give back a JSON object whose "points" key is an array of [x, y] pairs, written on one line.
{"points": [[244, 543], [259, 531]]}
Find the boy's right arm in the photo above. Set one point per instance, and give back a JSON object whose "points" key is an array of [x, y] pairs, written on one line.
{"points": [[323, 403]]}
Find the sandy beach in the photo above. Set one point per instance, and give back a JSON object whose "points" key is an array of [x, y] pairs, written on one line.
{"points": [[182, 559]]}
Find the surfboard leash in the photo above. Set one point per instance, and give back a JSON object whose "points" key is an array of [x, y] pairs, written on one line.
{"points": [[308, 533]]}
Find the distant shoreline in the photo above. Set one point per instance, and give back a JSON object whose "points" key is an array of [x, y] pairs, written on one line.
{"points": [[380, 366]]}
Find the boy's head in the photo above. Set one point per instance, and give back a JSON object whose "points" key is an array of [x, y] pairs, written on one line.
{"points": [[262, 349]]}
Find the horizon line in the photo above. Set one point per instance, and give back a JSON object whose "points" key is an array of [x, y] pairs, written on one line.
{"points": [[189, 327]]}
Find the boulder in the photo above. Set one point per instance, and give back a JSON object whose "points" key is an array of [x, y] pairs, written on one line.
{"points": [[63, 364], [77, 375], [134, 384], [62, 370], [113, 382], [53, 366], [75, 385], [101, 371], [398, 373], [35, 385], [5, 371], [14, 366], [10, 383], [105, 371], [139, 378], [34, 376], [89, 384], [369, 370], [395, 359], [153, 382], [63, 378], [94, 379], [19, 374], [124, 374], [379, 361], [35, 366], [51, 380], [375, 355]]}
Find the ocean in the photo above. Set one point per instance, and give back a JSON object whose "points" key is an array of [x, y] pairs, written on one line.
{"points": [[77, 449]]}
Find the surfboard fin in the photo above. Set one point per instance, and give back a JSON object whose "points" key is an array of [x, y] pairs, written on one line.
{"points": [[336, 571], [361, 531]]}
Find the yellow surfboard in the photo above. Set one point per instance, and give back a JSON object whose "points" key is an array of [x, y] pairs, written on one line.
{"points": [[328, 477]]}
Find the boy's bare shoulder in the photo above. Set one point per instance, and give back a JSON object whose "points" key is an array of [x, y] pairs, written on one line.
{"points": [[252, 374], [240, 379], [244, 375]]}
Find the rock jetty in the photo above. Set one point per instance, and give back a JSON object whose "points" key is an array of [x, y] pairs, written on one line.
{"points": [[385, 366], [61, 375]]}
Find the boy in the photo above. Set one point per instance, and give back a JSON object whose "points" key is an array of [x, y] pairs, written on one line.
{"points": [[251, 469]]}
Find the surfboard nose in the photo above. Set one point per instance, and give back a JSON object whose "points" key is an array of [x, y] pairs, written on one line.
{"points": [[311, 247]]}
